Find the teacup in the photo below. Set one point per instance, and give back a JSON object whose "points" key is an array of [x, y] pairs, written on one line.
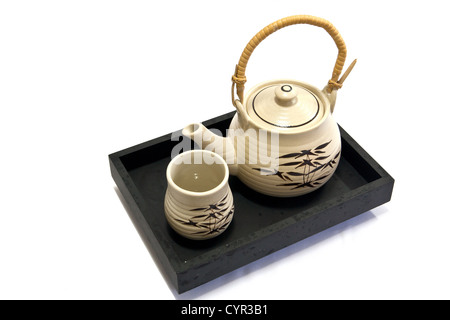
{"points": [[198, 203]]}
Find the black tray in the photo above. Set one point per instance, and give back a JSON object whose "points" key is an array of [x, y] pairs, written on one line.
{"points": [[358, 185]]}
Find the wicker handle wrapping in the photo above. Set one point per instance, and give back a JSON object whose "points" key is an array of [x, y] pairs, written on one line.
{"points": [[239, 78]]}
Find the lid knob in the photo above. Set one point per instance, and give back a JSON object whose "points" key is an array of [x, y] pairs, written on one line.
{"points": [[286, 95]]}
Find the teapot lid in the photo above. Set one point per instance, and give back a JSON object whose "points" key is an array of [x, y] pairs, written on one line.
{"points": [[284, 105]]}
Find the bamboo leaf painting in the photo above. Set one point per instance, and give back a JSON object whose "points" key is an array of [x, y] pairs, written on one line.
{"points": [[310, 168], [213, 219], [322, 145]]}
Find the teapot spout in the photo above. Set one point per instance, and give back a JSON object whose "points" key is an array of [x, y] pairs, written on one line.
{"points": [[212, 140]]}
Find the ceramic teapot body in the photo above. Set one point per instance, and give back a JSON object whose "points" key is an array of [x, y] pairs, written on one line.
{"points": [[283, 140], [275, 162]]}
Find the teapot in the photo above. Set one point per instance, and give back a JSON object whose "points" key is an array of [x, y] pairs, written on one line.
{"points": [[283, 140]]}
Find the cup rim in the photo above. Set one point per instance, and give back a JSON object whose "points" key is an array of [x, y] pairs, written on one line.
{"points": [[197, 193]]}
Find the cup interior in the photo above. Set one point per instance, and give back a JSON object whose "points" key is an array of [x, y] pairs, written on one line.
{"points": [[191, 174]]}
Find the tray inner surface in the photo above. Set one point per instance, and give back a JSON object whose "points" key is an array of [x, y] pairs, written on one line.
{"points": [[254, 212]]}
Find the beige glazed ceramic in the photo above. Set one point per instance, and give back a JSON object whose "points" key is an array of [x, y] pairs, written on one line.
{"points": [[283, 140], [198, 203]]}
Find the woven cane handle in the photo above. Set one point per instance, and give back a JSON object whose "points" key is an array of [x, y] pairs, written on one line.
{"points": [[239, 78]]}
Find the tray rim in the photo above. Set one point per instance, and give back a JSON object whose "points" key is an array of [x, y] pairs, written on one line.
{"points": [[170, 256]]}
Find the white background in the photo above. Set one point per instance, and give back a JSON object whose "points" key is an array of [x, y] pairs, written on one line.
{"points": [[82, 79]]}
